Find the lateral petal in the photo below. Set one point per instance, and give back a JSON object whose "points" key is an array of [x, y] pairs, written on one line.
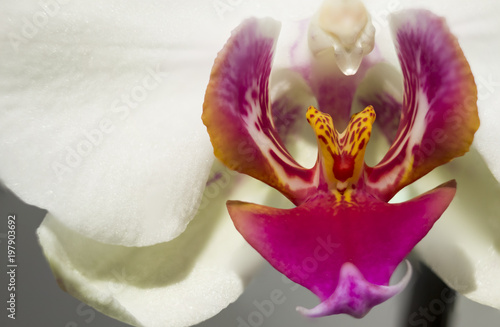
{"points": [[478, 30], [238, 114], [439, 115]]}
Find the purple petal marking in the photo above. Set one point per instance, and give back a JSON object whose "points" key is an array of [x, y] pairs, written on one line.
{"points": [[214, 178], [286, 116], [355, 295], [439, 115], [237, 112]]}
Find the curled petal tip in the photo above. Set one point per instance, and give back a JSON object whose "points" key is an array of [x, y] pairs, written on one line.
{"points": [[355, 295]]}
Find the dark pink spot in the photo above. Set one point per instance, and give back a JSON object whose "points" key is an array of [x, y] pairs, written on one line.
{"points": [[351, 141], [343, 167], [330, 151], [362, 144]]}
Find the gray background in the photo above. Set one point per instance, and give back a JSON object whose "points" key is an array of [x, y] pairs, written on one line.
{"points": [[40, 302]]}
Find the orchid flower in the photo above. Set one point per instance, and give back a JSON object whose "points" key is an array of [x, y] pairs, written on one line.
{"points": [[100, 127], [341, 200]]}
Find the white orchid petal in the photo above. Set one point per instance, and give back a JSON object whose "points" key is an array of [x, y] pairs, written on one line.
{"points": [[282, 10], [178, 283], [98, 126], [101, 106], [463, 247]]}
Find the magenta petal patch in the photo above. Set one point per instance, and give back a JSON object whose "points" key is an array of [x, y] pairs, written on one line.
{"points": [[311, 243]]}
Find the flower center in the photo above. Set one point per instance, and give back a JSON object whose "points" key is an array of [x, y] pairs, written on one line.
{"points": [[345, 26], [342, 154]]}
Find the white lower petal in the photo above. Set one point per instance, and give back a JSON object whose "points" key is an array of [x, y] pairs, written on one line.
{"points": [[178, 283], [463, 247]]}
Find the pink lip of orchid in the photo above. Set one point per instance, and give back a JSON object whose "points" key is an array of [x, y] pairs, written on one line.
{"points": [[343, 240]]}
